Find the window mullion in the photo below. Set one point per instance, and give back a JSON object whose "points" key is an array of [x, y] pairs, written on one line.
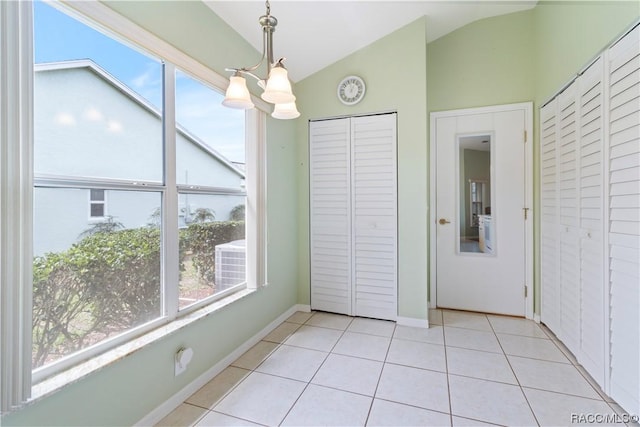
{"points": [[256, 200], [170, 241]]}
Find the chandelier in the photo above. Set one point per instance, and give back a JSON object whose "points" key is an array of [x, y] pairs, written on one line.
{"points": [[277, 88]]}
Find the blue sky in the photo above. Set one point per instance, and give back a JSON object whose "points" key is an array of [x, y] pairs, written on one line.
{"points": [[59, 37]]}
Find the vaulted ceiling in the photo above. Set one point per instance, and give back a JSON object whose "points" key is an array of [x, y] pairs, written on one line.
{"points": [[313, 34]]}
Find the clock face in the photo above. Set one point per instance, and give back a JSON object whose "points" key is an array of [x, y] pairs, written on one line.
{"points": [[351, 90]]}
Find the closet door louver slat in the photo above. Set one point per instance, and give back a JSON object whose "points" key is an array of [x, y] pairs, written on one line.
{"points": [[624, 220]]}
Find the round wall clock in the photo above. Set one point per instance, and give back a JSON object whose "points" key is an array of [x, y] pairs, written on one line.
{"points": [[351, 90]]}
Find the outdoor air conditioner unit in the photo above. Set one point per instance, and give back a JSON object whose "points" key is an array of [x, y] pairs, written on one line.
{"points": [[230, 264]]}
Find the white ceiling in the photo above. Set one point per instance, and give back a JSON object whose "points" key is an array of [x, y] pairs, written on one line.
{"points": [[313, 34]]}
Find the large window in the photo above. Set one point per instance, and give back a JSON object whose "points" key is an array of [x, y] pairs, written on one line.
{"points": [[113, 123]]}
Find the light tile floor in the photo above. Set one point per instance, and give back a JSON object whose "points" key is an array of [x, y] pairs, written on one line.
{"points": [[467, 369]]}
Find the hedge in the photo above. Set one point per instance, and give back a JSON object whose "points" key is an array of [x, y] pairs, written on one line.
{"points": [[109, 282]]}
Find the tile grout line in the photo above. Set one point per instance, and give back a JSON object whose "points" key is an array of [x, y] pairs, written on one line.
{"points": [[235, 417], [446, 368], [235, 386], [514, 374], [600, 397], [278, 345], [384, 363], [319, 367], [559, 346]]}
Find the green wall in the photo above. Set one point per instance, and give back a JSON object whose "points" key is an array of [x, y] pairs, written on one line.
{"points": [[570, 34], [391, 68], [126, 391], [487, 62]]}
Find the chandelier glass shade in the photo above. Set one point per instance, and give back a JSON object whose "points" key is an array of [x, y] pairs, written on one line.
{"points": [[285, 111], [277, 87], [237, 95]]}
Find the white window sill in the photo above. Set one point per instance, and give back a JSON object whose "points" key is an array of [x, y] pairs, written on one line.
{"points": [[52, 384]]}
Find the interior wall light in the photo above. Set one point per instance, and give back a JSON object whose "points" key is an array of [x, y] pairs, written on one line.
{"points": [[277, 88]]}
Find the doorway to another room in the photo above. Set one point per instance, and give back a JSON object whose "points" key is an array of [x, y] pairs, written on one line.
{"points": [[481, 198]]}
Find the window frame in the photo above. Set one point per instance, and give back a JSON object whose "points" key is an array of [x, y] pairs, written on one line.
{"points": [[16, 109], [16, 193], [102, 202]]}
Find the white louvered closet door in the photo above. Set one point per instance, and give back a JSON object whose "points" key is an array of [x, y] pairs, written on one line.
{"points": [[591, 235], [330, 210], [353, 199], [624, 219], [549, 212], [568, 167], [572, 231], [374, 207]]}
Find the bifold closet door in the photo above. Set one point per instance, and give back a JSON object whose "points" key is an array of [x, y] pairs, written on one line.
{"points": [[374, 207], [353, 216], [590, 219], [572, 230], [330, 215], [624, 219]]}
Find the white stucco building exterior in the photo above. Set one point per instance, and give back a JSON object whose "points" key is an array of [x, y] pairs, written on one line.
{"points": [[89, 127]]}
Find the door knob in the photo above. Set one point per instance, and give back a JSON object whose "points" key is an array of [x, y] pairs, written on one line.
{"points": [[444, 221]]}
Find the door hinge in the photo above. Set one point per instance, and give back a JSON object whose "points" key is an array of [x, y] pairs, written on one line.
{"points": [[526, 291], [526, 213], [525, 136]]}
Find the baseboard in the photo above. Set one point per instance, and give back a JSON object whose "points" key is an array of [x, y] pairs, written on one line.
{"points": [[412, 321], [174, 401]]}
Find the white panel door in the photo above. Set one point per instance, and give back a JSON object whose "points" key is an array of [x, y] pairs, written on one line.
{"points": [[480, 280], [330, 209], [624, 216], [549, 212], [568, 167], [374, 207], [591, 235]]}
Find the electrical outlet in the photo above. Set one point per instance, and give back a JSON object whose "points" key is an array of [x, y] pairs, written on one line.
{"points": [[182, 358]]}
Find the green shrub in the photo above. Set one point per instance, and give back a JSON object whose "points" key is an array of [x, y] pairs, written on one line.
{"points": [[106, 283], [109, 282]]}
